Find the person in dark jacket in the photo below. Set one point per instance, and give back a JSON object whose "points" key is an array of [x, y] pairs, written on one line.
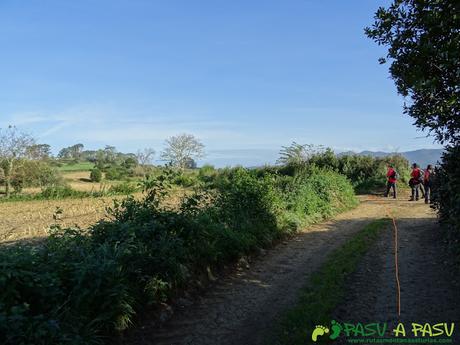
{"points": [[427, 182]]}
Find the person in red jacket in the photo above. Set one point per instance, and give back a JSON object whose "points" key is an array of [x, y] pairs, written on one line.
{"points": [[414, 182], [392, 177]]}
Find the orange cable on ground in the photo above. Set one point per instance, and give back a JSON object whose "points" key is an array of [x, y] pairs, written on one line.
{"points": [[398, 285]]}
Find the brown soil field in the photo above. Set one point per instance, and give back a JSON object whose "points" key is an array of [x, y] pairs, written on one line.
{"points": [[32, 219]]}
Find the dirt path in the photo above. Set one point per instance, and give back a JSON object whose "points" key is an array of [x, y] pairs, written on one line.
{"points": [[243, 307], [430, 286]]}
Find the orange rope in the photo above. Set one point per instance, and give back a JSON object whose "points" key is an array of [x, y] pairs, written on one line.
{"points": [[398, 285]]}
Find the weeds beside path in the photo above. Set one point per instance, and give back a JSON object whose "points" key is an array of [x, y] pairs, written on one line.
{"points": [[244, 306]]}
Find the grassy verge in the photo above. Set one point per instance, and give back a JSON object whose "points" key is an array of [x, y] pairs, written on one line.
{"points": [[326, 288]]}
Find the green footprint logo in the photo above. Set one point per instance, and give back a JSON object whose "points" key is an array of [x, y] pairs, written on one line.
{"points": [[336, 330], [318, 331]]}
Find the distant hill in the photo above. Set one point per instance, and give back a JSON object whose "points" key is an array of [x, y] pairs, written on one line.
{"points": [[422, 157], [260, 157]]}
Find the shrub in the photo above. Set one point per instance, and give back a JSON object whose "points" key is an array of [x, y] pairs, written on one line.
{"points": [[95, 175], [125, 188], [116, 172], [315, 194], [366, 173], [185, 180], [81, 285], [35, 174], [207, 174], [446, 196], [59, 192]]}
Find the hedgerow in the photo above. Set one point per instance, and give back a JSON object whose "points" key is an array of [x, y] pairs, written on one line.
{"points": [[446, 196], [83, 286]]}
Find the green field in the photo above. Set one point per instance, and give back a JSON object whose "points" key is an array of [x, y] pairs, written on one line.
{"points": [[81, 166]]}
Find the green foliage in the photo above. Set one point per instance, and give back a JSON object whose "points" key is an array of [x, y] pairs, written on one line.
{"points": [[116, 172], [423, 41], [366, 173], [296, 154], [315, 194], [80, 285], [446, 196], [34, 173], [125, 188], [185, 179], [95, 175], [207, 174], [59, 192], [64, 191], [68, 165]]}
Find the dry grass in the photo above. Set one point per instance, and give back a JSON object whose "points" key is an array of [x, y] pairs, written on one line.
{"points": [[32, 219], [77, 180]]}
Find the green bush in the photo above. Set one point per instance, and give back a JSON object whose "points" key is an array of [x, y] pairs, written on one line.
{"points": [[116, 172], [35, 174], [315, 194], [95, 175], [185, 180], [125, 188], [446, 196], [81, 285], [366, 173], [207, 174], [59, 192]]}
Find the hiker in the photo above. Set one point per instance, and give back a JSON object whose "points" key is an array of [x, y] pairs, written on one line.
{"points": [[427, 183], [392, 177], [415, 182]]}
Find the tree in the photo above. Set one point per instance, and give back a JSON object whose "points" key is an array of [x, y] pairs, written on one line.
{"points": [[181, 149], [423, 40], [296, 154], [145, 156], [64, 153], [95, 175], [110, 154], [13, 148], [71, 152], [39, 152], [76, 150]]}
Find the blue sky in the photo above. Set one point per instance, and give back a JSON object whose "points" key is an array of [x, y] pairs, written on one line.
{"points": [[246, 77]]}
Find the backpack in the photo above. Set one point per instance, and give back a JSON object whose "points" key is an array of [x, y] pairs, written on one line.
{"points": [[395, 175], [421, 175]]}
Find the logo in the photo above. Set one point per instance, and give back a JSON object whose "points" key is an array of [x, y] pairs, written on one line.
{"points": [[382, 333], [320, 330]]}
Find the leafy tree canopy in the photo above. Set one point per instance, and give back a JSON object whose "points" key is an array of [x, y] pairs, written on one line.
{"points": [[423, 40]]}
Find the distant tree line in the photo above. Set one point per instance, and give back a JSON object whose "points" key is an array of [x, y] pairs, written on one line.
{"points": [[26, 163]]}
